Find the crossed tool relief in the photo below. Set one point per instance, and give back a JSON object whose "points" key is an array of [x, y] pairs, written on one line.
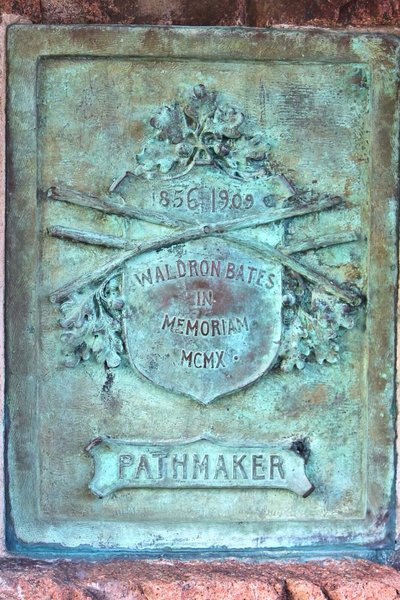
{"points": [[316, 309], [102, 279]]}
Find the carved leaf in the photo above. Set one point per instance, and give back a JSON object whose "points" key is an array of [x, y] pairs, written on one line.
{"points": [[247, 156], [93, 326], [313, 333], [170, 123], [294, 349], [201, 105], [203, 129], [227, 121], [157, 155]]}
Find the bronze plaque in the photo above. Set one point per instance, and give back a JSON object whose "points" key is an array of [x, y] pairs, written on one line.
{"points": [[201, 275]]}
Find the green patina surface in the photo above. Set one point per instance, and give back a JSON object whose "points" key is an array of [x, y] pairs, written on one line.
{"points": [[201, 252]]}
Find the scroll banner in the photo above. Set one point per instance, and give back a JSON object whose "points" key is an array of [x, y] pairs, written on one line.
{"points": [[197, 463]]}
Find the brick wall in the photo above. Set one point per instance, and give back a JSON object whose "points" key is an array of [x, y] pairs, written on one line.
{"points": [[254, 13]]}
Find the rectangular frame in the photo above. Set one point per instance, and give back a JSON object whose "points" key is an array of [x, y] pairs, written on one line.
{"points": [[27, 46]]}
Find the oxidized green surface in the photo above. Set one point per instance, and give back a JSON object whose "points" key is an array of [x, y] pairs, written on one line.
{"points": [[199, 463], [201, 288]]}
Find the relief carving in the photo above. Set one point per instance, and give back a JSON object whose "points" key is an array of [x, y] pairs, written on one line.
{"points": [[204, 130], [240, 306], [202, 462]]}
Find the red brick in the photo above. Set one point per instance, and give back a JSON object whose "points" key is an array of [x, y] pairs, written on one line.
{"points": [[153, 12], [320, 12], [172, 580], [301, 589], [31, 9]]}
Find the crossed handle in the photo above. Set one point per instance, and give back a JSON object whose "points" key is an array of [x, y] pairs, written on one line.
{"points": [[187, 233]]}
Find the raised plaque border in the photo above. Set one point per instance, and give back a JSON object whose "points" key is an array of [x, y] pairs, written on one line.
{"points": [[27, 531]]}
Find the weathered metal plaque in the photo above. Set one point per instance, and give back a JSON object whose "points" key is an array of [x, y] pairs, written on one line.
{"points": [[201, 275]]}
